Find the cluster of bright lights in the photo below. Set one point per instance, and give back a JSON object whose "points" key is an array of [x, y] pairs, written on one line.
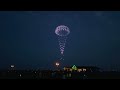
{"points": [[62, 31], [57, 64], [12, 66]]}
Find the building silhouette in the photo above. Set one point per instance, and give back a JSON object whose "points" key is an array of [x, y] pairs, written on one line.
{"points": [[75, 68]]}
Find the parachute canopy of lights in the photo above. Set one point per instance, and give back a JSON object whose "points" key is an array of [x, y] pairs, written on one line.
{"points": [[62, 32]]}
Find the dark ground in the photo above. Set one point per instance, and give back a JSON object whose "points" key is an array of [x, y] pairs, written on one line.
{"points": [[49, 74]]}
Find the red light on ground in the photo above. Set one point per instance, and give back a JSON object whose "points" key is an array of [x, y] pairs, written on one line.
{"points": [[57, 64], [12, 66]]}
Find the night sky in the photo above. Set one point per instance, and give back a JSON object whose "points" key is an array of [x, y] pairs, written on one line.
{"points": [[28, 39]]}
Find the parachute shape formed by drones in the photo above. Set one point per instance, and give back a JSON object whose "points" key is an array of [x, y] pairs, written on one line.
{"points": [[62, 31]]}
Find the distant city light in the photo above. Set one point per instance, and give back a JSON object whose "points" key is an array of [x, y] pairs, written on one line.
{"points": [[12, 66], [57, 64], [84, 69], [74, 67]]}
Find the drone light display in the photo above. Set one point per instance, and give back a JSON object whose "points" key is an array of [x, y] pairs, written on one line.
{"points": [[62, 32]]}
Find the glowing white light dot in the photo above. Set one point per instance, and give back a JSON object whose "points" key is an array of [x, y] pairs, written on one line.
{"points": [[12, 66], [57, 64]]}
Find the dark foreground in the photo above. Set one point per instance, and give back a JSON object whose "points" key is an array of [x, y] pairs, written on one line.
{"points": [[48, 74]]}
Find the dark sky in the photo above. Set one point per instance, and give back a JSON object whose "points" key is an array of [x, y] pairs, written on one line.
{"points": [[27, 38]]}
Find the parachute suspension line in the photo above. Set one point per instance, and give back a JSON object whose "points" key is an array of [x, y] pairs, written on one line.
{"points": [[62, 42], [62, 32]]}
